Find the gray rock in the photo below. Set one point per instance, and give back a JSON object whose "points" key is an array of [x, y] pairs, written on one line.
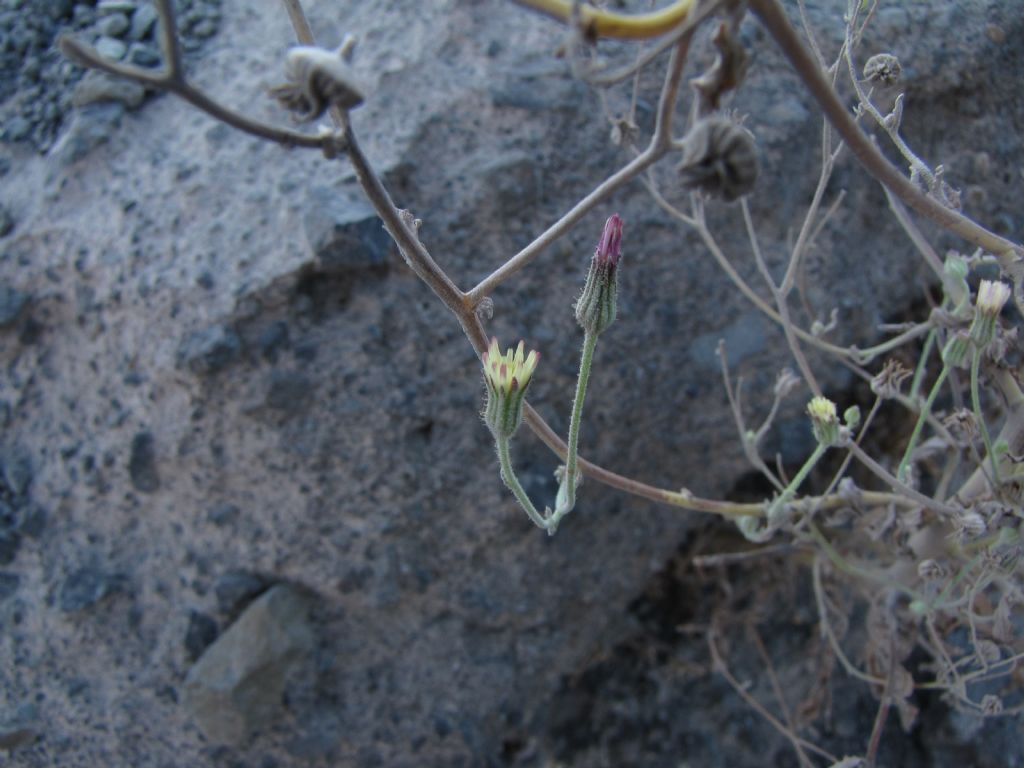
{"points": [[210, 350], [143, 55], [142, 463], [97, 87], [143, 21], [16, 470], [12, 302], [86, 587], [113, 24], [343, 231], [111, 48], [116, 6], [236, 685]]}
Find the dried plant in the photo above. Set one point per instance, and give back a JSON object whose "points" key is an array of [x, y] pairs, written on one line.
{"points": [[932, 549]]}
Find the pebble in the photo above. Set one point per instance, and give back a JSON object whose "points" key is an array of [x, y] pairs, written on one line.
{"points": [[99, 87], [236, 686], [143, 21], [111, 48], [236, 588], [113, 25], [116, 6], [143, 55], [10, 542]]}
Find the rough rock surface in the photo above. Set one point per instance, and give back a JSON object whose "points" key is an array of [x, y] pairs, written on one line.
{"points": [[218, 376]]}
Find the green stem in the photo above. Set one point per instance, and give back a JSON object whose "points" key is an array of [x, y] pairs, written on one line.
{"points": [[976, 404], [567, 491], [794, 485], [508, 475], [901, 472], [915, 384]]}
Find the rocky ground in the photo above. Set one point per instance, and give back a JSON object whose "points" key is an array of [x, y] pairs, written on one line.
{"points": [[248, 513]]}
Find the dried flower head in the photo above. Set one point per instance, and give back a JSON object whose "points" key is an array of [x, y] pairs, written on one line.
{"points": [[992, 297], [597, 305], [888, 382], [883, 69], [720, 158], [929, 570], [317, 80], [507, 376]]}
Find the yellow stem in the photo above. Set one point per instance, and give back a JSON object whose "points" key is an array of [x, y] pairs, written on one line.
{"points": [[603, 23]]}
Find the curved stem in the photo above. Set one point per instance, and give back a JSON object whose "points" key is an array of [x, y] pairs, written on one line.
{"points": [[508, 475], [600, 23]]}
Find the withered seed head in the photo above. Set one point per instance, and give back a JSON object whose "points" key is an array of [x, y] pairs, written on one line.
{"points": [[883, 69], [317, 80], [720, 159]]}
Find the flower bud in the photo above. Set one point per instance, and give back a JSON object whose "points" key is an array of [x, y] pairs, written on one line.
{"points": [[954, 354], [992, 297], [596, 306], [506, 376], [824, 421]]}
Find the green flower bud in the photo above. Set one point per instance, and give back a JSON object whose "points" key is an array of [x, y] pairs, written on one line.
{"points": [[596, 306], [992, 297], [507, 376], [824, 421]]}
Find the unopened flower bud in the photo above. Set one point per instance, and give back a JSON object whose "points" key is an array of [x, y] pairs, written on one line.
{"points": [[824, 421], [507, 376], [954, 354], [596, 306], [992, 297], [883, 69]]}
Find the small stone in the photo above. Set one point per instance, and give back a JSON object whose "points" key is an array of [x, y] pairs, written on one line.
{"points": [[142, 463], [18, 128], [86, 587], [143, 21], [201, 632], [116, 6], [8, 585], [113, 25], [111, 48], [32, 521], [12, 302], [143, 55], [236, 686], [205, 28], [210, 350], [97, 87]]}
